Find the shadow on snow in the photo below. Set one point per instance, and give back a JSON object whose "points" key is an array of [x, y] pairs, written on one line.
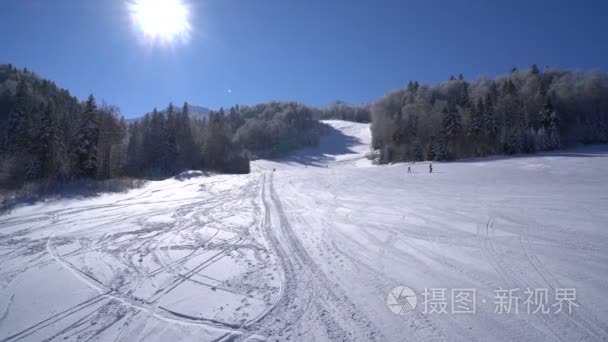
{"points": [[332, 144]]}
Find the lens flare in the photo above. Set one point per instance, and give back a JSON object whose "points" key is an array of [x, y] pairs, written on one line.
{"points": [[161, 21]]}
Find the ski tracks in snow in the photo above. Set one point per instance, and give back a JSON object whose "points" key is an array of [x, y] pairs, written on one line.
{"points": [[135, 253], [143, 263], [228, 258], [309, 301], [521, 269]]}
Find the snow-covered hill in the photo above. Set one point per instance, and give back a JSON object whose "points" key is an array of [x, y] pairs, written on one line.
{"points": [[319, 246]]}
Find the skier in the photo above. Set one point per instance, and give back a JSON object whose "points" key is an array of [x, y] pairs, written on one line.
{"points": [[409, 169], [430, 167]]}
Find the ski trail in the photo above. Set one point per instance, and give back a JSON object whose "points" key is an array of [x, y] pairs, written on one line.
{"points": [[311, 253], [305, 287]]}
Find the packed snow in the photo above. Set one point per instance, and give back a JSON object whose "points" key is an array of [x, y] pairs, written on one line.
{"points": [[310, 247]]}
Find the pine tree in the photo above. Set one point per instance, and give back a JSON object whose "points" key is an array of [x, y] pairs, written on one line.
{"points": [[534, 69], [451, 122], [509, 88], [439, 151], [134, 150], [430, 149], [235, 118], [154, 145], [476, 123], [464, 100], [170, 148], [411, 87], [554, 131], [544, 117], [33, 168], [513, 142], [86, 141], [17, 134], [188, 156], [217, 141], [417, 151], [490, 127], [119, 159], [48, 140]]}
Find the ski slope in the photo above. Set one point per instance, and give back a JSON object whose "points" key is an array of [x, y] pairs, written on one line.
{"points": [[310, 247]]}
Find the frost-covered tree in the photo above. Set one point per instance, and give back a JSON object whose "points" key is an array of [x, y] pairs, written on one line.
{"points": [[545, 114], [554, 132], [451, 123], [523, 111], [357, 113], [477, 120]]}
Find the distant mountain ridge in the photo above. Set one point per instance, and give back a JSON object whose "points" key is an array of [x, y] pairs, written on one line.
{"points": [[195, 112]]}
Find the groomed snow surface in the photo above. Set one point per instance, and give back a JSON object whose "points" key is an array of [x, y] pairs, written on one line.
{"points": [[310, 247]]}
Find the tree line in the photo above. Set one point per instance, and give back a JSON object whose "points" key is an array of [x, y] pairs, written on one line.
{"points": [[166, 142], [275, 128], [522, 112], [343, 111], [46, 134]]}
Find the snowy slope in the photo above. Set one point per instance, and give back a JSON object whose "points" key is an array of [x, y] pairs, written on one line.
{"points": [[312, 250]]}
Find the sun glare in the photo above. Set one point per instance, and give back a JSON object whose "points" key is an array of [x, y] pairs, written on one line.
{"points": [[161, 21]]}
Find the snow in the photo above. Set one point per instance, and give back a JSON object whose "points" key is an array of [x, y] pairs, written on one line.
{"points": [[311, 250]]}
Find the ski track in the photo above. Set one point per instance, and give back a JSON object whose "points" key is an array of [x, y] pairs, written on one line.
{"points": [[310, 251]]}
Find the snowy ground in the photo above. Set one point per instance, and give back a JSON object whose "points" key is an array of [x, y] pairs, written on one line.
{"points": [[312, 250]]}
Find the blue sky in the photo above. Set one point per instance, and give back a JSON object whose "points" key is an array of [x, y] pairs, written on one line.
{"points": [[311, 51]]}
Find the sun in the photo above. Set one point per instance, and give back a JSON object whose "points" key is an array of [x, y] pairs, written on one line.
{"points": [[161, 21]]}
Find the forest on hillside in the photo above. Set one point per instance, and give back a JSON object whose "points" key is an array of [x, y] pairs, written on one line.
{"points": [[46, 134], [344, 111], [522, 112], [168, 141]]}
